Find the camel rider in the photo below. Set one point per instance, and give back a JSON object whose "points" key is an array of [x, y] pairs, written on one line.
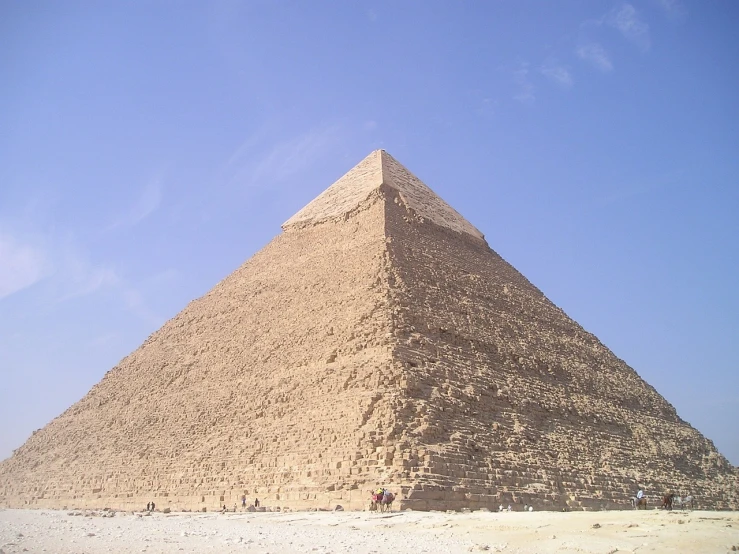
{"points": [[640, 494]]}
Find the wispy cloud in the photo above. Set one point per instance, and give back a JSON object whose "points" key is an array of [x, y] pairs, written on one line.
{"points": [[67, 273], [595, 55], [90, 281], [486, 108], [481, 103], [103, 341], [135, 298], [525, 88], [76, 275], [21, 265], [63, 268], [136, 303], [669, 5], [557, 73], [253, 166], [627, 21], [290, 157], [148, 201], [673, 8]]}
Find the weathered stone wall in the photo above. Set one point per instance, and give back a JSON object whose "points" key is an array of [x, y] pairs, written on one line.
{"points": [[377, 341], [515, 402], [270, 385]]}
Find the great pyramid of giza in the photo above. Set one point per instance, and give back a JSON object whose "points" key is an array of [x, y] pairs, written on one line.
{"points": [[377, 341]]}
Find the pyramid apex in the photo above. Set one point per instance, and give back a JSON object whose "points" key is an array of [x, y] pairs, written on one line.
{"points": [[377, 169]]}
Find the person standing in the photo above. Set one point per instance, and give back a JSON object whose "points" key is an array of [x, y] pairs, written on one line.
{"points": [[243, 501], [256, 503]]}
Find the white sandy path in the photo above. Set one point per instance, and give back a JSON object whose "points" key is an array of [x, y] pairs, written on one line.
{"points": [[363, 533]]}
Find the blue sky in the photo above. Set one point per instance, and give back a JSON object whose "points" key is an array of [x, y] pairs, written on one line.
{"points": [[148, 149]]}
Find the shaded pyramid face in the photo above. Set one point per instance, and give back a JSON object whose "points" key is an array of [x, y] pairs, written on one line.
{"points": [[377, 341]]}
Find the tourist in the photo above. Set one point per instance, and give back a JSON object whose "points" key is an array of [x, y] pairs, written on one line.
{"points": [[243, 501], [256, 503], [148, 506], [152, 506]]}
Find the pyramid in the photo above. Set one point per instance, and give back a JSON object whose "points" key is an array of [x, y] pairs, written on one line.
{"points": [[377, 341]]}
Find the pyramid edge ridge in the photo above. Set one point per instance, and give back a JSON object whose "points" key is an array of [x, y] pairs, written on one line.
{"points": [[434, 208], [330, 203]]}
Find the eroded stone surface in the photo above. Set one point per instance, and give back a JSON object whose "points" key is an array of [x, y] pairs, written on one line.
{"points": [[516, 402], [371, 343], [375, 170]]}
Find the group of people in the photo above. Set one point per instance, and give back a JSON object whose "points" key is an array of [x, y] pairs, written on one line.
{"points": [[384, 494], [224, 509], [526, 508], [243, 502], [640, 500]]}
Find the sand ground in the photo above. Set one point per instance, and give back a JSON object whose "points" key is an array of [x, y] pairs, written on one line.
{"points": [[364, 533]]}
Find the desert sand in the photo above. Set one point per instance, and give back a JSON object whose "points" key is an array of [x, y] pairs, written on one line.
{"points": [[605, 532]]}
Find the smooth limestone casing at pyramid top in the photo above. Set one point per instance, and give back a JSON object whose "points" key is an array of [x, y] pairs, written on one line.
{"points": [[378, 341]]}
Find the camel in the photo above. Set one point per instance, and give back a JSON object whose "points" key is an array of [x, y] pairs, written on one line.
{"points": [[381, 502], [386, 503], [667, 501]]}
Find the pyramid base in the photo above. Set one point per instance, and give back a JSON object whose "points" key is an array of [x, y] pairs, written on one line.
{"points": [[409, 497]]}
